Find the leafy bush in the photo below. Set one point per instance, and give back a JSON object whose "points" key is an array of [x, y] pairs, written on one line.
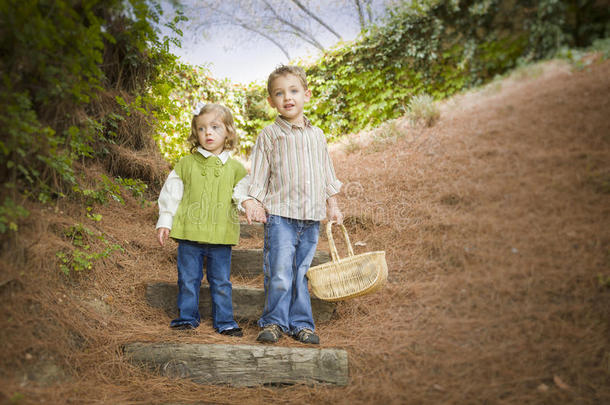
{"points": [[440, 47], [58, 58], [180, 87], [10, 213], [82, 257]]}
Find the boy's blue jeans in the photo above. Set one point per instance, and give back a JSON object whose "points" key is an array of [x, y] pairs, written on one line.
{"points": [[289, 248], [190, 274]]}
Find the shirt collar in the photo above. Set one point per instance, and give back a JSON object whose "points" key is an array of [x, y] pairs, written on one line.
{"points": [[288, 126], [223, 156]]}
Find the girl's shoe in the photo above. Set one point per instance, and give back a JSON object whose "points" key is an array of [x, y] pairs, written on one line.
{"points": [[235, 332]]}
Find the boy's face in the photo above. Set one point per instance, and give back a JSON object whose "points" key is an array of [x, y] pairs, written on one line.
{"points": [[288, 97]]}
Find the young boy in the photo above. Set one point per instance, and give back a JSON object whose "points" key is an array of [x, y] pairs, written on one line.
{"points": [[292, 185]]}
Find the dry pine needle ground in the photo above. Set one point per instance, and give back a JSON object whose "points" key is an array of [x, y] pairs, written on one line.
{"points": [[496, 226]]}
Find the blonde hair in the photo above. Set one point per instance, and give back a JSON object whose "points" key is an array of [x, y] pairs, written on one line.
{"points": [[284, 70], [227, 119]]}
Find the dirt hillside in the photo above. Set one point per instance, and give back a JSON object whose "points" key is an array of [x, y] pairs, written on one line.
{"points": [[496, 225]]}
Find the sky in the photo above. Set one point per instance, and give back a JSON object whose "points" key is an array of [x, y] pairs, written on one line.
{"points": [[243, 61]]}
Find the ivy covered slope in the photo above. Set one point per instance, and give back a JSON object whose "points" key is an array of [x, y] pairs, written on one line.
{"points": [[440, 47]]}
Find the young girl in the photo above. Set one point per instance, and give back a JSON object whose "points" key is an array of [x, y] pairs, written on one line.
{"points": [[196, 205]]}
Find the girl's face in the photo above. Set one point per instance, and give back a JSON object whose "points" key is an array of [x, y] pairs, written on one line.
{"points": [[211, 132]]}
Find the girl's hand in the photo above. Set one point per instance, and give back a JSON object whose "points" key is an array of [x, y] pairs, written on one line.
{"points": [[254, 211], [162, 235]]}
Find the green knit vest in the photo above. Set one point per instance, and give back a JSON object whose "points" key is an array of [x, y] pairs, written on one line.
{"points": [[207, 213]]}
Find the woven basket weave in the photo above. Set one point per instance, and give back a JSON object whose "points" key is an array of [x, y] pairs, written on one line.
{"points": [[349, 277]]}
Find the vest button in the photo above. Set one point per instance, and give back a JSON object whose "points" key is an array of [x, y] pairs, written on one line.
{"points": [[217, 172]]}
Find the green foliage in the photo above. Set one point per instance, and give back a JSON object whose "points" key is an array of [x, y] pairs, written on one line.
{"points": [[17, 397], [10, 213], [440, 47], [57, 56], [83, 257], [603, 281], [137, 188], [180, 87], [102, 195]]}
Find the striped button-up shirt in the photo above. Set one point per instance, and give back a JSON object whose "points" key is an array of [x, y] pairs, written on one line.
{"points": [[292, 174]]}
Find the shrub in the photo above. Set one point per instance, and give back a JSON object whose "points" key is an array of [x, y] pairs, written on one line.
{"points": [[422, 108]]}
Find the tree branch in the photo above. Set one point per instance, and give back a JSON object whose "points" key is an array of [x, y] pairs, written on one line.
{"points": [[315, 17], [360, 14], [234, 20], [264, 35], [295, 27]]}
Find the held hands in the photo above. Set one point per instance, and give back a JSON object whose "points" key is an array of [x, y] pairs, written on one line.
{"points": [[162, 235], [254, 211]]}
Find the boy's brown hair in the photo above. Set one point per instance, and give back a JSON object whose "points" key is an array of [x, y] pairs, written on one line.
{"points": [[227, 119], [284, 70]]}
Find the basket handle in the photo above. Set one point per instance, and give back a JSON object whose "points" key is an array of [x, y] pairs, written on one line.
{"points": [[331, 241]]}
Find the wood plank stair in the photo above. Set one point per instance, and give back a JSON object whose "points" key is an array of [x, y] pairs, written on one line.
{"points": [[248, 302], [242, 365]]}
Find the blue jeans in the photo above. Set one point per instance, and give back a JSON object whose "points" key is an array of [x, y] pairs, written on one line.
{"points": [[290, 245], [190, 274]]}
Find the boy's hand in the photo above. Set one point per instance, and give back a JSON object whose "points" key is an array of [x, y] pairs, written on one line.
{"points": [[254, 211], [162, 235], [334, 213]]}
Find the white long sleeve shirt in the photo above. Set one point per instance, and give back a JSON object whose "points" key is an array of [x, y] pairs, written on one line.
{"points": [[173, 190]]}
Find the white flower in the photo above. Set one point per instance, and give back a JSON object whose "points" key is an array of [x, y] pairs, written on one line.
{"points": [[198, 108]]}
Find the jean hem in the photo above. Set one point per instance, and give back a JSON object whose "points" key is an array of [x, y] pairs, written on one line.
{"points": [[265, 324]]}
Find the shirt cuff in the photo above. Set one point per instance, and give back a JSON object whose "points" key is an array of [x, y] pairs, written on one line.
{"points": [[165, 220], [240, 201], [333, 188], [256, 192]]}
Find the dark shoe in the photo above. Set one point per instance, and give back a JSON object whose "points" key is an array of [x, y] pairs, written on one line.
{"points": [[235, 332], [182, 326], [307, 336], [270, 334]]}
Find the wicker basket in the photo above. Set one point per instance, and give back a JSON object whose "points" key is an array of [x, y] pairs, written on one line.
{"points": [[350, 277]]}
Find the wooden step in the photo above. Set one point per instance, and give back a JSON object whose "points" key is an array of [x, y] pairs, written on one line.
{"points": [[254, 230], [248, 302], [242, 365], [249, 262]]}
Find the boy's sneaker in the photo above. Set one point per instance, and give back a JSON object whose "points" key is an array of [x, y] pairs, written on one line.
{"points": [[307, 336], [270, 334], [235, 332]]}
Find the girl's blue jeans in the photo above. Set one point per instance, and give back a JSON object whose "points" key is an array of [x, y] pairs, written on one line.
{"points": [[289, 248], [190, 273]]}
